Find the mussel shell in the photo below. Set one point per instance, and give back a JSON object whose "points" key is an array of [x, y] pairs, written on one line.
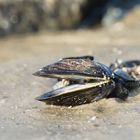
{"points": [[131, 67], [76, 69], [81, 57], [130, 63], [78, 94], [125, 64], [127, 80]]}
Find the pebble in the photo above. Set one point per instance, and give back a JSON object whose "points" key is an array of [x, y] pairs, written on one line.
{"points": [[2, 101], [92, 119], [117, 51]]}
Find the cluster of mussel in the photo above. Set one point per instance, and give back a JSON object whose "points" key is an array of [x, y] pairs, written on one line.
{"points": [[83, 80]]}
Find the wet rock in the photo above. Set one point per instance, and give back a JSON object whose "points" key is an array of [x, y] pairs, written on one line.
{"points": [[116, 10], [62, 13], [19, 16], [34, 15], [92, 12], [31, 16]]}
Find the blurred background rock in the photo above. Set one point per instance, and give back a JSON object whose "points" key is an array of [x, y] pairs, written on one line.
{"points": [[21, 16]]}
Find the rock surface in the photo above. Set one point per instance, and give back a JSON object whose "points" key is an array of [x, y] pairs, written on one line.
{"points": [[22, 117]]}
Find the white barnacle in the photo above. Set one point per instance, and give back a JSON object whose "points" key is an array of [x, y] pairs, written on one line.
{"points": [[61, 84]]}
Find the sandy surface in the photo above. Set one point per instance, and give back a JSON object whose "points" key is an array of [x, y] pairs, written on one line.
{"points": [[22, 117]]}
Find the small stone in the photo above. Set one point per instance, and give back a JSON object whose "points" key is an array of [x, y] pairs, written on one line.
{"points": [[2, 127], [92, 119], [120, 126], [2, 101], [117, 51], [70, 107]]}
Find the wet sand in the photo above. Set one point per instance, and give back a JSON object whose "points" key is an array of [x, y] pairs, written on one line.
{"points": [[22, 117]]}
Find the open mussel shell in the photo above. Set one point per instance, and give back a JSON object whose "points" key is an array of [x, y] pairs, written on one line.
{"points": [[78, 94]]}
